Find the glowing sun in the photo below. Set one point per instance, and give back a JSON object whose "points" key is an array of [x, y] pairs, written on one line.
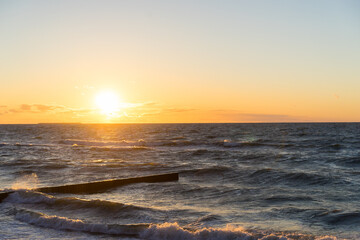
{"points": [[107, 102]]}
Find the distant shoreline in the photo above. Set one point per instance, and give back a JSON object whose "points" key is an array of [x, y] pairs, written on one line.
{"points": [[59, 123]]}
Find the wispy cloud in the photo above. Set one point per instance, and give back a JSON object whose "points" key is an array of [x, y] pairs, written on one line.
{"points": [[46, 108], [25, 107], [36, 108], [237, 116], [147, 112], [3, 109], [154, 109], [77, 112], [178, 110]]}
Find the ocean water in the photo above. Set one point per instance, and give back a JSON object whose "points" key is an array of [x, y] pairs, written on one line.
{"points": [[236, 181]]}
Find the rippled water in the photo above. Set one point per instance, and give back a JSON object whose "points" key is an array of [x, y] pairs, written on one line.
{"points": [[237, 181]]}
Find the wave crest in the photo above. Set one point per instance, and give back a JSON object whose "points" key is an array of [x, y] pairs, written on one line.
{"points": [[164, 231], [171, 231]]}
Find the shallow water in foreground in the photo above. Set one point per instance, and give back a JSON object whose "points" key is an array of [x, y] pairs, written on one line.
{"points": [[237, 181]]}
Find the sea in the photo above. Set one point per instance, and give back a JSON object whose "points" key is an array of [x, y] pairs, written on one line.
{"points": [[269, 181]]}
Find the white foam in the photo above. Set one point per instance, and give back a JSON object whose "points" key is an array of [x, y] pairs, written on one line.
{"points": [[165, 231], [172, 231], [29, 181], [229, 143], [162, 231]]}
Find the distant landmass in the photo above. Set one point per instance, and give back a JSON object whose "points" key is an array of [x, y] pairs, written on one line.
{"points": [[61, 123]]}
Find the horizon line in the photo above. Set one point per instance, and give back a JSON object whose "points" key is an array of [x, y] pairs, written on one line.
{"points": [[98, 123]]}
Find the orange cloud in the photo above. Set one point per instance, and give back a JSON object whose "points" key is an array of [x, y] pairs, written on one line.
{"points": [[4, 109], [237, 116], [25, 107], [141, 112], [35, 108], [46, 108], [177, 110]]}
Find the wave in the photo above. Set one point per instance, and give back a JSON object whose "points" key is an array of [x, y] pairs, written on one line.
{"points": [[139, 143], [17, 162], [284, 198], [349, 161], [63, 223], [253, 143], [200, 152], [338, 217], [178, 142], [218, 169], [79, 142], [119, 149], [345, 218], [174, 231], [269, 175], [229, 143], [25, 144], [208, 218], [28, 164], [33, 197], [331, 147], [309, 178], [162, 231], [53, 166], [336, 146], [174, 142], [108, 146], [129, 165]]}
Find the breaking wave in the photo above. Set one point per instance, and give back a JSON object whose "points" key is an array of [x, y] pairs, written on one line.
{"points": [[119, 149], [164, 231], [174, 231]]}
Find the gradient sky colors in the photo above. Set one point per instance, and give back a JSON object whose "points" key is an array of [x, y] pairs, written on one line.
{"points": [[180, 61]]}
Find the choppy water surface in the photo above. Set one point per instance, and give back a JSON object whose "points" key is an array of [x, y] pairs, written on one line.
{"points": [[237, 181]]}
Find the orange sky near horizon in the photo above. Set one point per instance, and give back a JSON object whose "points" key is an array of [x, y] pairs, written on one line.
{"points": [[185, 61]]}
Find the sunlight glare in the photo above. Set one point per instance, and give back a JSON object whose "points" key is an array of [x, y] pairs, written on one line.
{"points": [[107, 102]]}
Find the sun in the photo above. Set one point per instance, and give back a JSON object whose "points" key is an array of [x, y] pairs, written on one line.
{"points": [[107, 102]]}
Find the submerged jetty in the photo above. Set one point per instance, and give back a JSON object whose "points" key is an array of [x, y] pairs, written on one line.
{"points": [[101, 186]]}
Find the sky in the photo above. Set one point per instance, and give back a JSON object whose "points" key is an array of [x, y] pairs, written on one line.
{"points": [[166, 61]]}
